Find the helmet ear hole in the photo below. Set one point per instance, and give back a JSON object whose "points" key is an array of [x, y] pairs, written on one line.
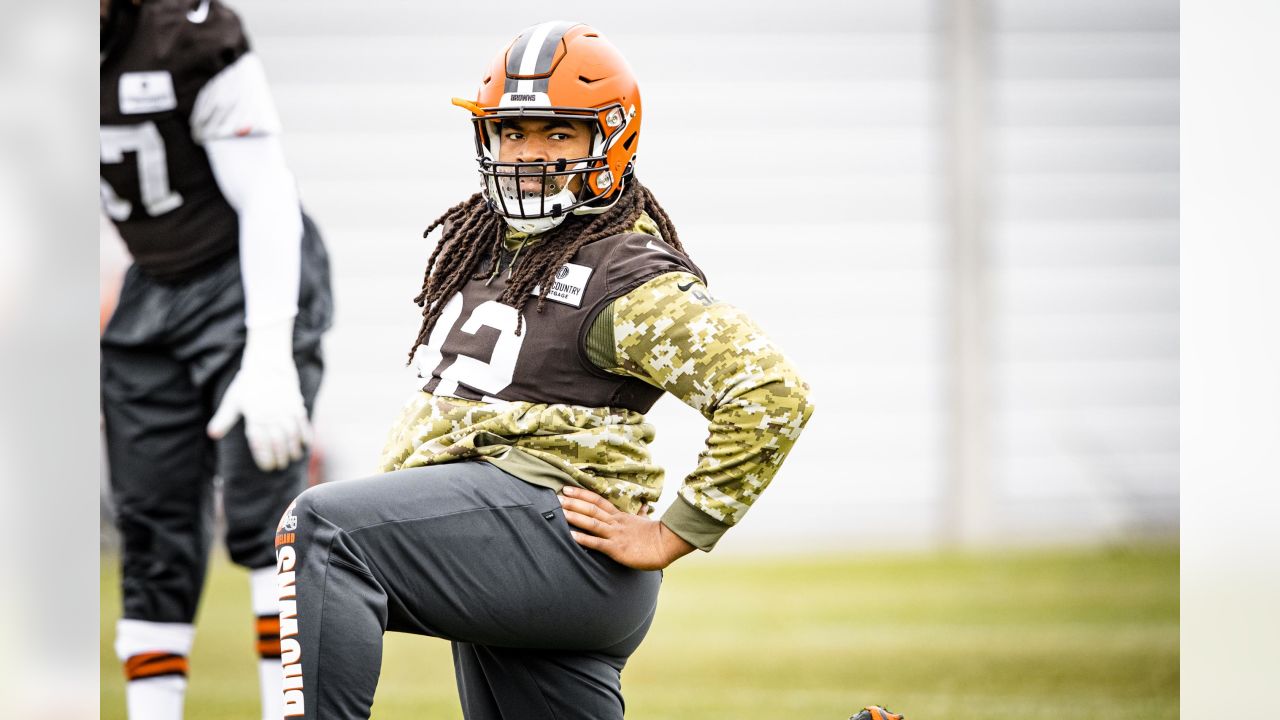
{"points": [[626, 144]]}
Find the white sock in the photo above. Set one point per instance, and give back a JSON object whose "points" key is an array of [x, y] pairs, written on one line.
{"points": [[155, 659], [157, 698], [263, 591]]}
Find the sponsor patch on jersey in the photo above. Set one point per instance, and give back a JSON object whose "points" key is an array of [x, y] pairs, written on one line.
{"points": [[147, 92], [570, 284]]}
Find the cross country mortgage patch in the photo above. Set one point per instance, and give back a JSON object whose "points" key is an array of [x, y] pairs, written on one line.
{"points": [[569, 286]]}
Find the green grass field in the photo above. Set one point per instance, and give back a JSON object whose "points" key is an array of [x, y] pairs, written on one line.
{"points": [[1053, 635]]}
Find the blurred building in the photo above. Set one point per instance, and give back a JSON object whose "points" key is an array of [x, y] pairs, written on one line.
{"points": [[958, 217]]}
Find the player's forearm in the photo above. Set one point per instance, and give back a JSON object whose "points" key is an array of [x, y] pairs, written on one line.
{"points": [[752, 430], [251, 173], [674, 334], [270, 257]]}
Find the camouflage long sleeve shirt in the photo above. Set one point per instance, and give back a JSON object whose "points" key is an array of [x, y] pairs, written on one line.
{"points": [[673, 334]]}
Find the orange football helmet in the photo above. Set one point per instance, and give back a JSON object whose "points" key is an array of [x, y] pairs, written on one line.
{"points": [[565, 70]]}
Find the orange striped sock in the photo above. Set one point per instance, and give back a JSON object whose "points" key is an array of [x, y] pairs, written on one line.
{"points": [[158, 664], [268, 636]]}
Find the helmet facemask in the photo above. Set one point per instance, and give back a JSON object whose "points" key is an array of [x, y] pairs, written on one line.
{"points": [[534, 197]]}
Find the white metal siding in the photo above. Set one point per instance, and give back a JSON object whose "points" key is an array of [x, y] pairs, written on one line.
{"points": [[1084, 234], [798, 147]]}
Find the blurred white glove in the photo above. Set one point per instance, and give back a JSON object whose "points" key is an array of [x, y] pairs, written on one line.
{"points": [[265, 392]]}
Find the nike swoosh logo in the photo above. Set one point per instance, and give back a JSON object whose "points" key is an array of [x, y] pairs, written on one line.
{"points": [[651, 246], [685, 287], [200, 14]]}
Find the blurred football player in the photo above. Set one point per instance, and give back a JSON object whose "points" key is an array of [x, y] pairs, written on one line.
{"points": [[512, 519], [211, 361]]}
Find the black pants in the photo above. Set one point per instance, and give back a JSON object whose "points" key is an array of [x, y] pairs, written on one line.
{"points": [[541, 627], [168, 355]]}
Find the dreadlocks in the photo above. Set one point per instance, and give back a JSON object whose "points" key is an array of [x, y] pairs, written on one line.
{"points": [[474, 231]]}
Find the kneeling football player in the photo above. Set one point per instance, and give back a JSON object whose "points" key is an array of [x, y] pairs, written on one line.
{"points": [[512, 517]]}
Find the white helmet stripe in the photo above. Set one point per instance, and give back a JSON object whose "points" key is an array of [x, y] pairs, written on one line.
{"points": [[532, 55]]}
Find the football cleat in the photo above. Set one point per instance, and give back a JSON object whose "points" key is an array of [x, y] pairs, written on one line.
{"points": [[875, 712]]}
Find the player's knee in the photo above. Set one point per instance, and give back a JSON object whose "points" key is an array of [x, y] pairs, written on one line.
{"points": [[306, 504], [315, 503]]}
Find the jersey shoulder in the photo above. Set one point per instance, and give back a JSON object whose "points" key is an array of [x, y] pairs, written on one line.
{"points": [[212, 37], [636, 257], [190, 40]]}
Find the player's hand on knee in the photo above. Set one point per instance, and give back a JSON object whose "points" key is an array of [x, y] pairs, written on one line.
{"points": [[632, 540], [266, 393]]}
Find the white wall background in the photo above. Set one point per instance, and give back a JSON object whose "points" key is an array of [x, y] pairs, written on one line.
{"points": [[799, 147], [1084, 255]]}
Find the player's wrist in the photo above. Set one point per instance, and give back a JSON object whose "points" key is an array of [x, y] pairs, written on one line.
{"points": [[269, 344], [673, 546]]}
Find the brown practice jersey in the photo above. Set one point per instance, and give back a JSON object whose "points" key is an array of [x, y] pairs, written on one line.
{"points": [[167, 87], [647, 317], [474, 352]]}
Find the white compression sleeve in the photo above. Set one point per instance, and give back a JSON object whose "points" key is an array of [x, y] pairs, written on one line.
{"points": [[252, 175], [235, 120]]}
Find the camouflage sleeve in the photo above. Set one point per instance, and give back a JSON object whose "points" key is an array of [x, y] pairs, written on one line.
{"points": [[672, 333]]}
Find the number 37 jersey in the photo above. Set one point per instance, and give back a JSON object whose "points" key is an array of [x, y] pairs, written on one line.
{"points": [[183, 76]]}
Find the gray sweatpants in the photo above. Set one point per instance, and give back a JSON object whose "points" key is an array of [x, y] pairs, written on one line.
{"points": [[541, 627]]}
